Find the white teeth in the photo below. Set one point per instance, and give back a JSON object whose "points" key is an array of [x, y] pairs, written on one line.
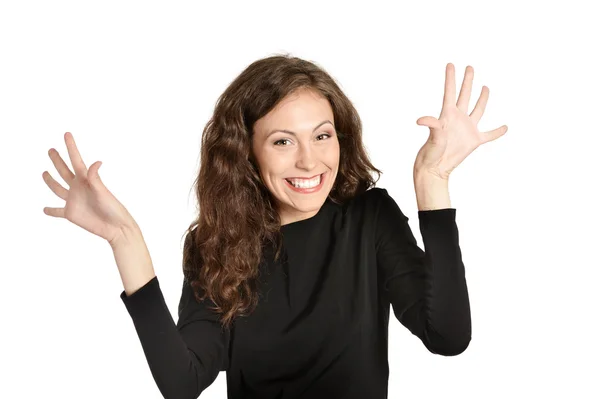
{"points": [[301, 183]]}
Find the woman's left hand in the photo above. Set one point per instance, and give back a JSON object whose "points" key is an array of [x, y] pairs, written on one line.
{"points": [[454, 135]]}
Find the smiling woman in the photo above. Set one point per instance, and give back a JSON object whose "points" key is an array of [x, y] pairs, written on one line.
{"points": [[283, 117], [293, 172], [295, 258]]}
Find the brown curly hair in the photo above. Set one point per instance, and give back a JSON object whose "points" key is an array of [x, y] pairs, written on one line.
{"points": [[237, 216]]}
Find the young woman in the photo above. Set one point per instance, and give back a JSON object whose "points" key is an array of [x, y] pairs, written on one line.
{"points": [[295, 257]]}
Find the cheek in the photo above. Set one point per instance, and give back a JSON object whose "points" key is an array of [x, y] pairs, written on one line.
{"points": [[274, 171], [278, 164], [334, 156], [270, 162]]}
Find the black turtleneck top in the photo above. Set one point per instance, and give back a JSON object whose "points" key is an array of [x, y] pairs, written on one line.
{"points": [[321, 326]]}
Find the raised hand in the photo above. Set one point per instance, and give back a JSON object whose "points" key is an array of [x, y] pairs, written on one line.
{"points": [[454, 135], [89, 204]]}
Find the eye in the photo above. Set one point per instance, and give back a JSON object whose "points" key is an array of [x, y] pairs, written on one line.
{"points": [[278, 141]]}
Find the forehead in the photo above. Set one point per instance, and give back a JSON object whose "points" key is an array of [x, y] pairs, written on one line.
{"points": [[301, 109]]}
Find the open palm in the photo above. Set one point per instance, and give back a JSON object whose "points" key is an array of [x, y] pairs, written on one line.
{"points": [[89, 204], [454, 135]]}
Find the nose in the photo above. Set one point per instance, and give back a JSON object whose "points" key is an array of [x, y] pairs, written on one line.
{"points": [[305, 157]]}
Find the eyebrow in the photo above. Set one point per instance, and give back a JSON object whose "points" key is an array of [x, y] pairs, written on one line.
{"points": [[294, 134]]}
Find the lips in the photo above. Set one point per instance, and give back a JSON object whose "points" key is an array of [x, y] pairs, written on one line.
{"points": [[289, 179], [307, 190], [305, 178]]}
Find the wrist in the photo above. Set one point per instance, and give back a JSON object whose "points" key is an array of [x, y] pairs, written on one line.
{"points": [[127, 236], [431, 191]]}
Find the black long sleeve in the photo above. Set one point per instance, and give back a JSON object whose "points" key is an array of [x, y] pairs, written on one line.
{"points": [[427, 289], [320, 329], [184, 358]]}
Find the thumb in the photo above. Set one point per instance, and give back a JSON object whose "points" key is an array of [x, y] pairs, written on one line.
{"points": [[429, 121], [93, 175]]}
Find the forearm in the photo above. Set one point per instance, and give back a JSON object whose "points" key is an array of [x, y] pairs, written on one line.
{"points": [[133, 260], [432, 193], [177, 371], [448, 326]]}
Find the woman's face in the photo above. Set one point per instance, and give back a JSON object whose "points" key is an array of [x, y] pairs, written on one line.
{"points": [[307, 150]]}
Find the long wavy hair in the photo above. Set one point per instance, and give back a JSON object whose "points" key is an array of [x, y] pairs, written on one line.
{"points": [[237, 215]]}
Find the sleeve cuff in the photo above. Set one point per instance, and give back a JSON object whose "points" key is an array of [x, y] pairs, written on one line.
{"points": [[437, 216], [145, 301], [438, 225]]}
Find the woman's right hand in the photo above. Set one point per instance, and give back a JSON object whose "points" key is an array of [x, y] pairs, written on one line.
{"points": [[89, 204]]}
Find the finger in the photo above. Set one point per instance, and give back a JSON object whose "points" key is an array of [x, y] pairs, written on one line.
{"points": [[56, 188], [480, 106], [429, 121], [55, 212], [94, 177], [78, 166], [61, 166], [465, 90], [494, 134], [449, 87]]}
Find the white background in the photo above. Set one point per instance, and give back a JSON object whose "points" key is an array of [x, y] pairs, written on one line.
{"points": [[135, 82]]}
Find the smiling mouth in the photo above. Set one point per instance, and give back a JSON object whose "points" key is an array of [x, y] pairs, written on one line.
{"points": [[321, 178]]}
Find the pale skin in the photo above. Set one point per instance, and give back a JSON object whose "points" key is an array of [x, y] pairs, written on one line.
{"points": [[453, 136], [91, 206], [88, 203], [310, 149]]}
